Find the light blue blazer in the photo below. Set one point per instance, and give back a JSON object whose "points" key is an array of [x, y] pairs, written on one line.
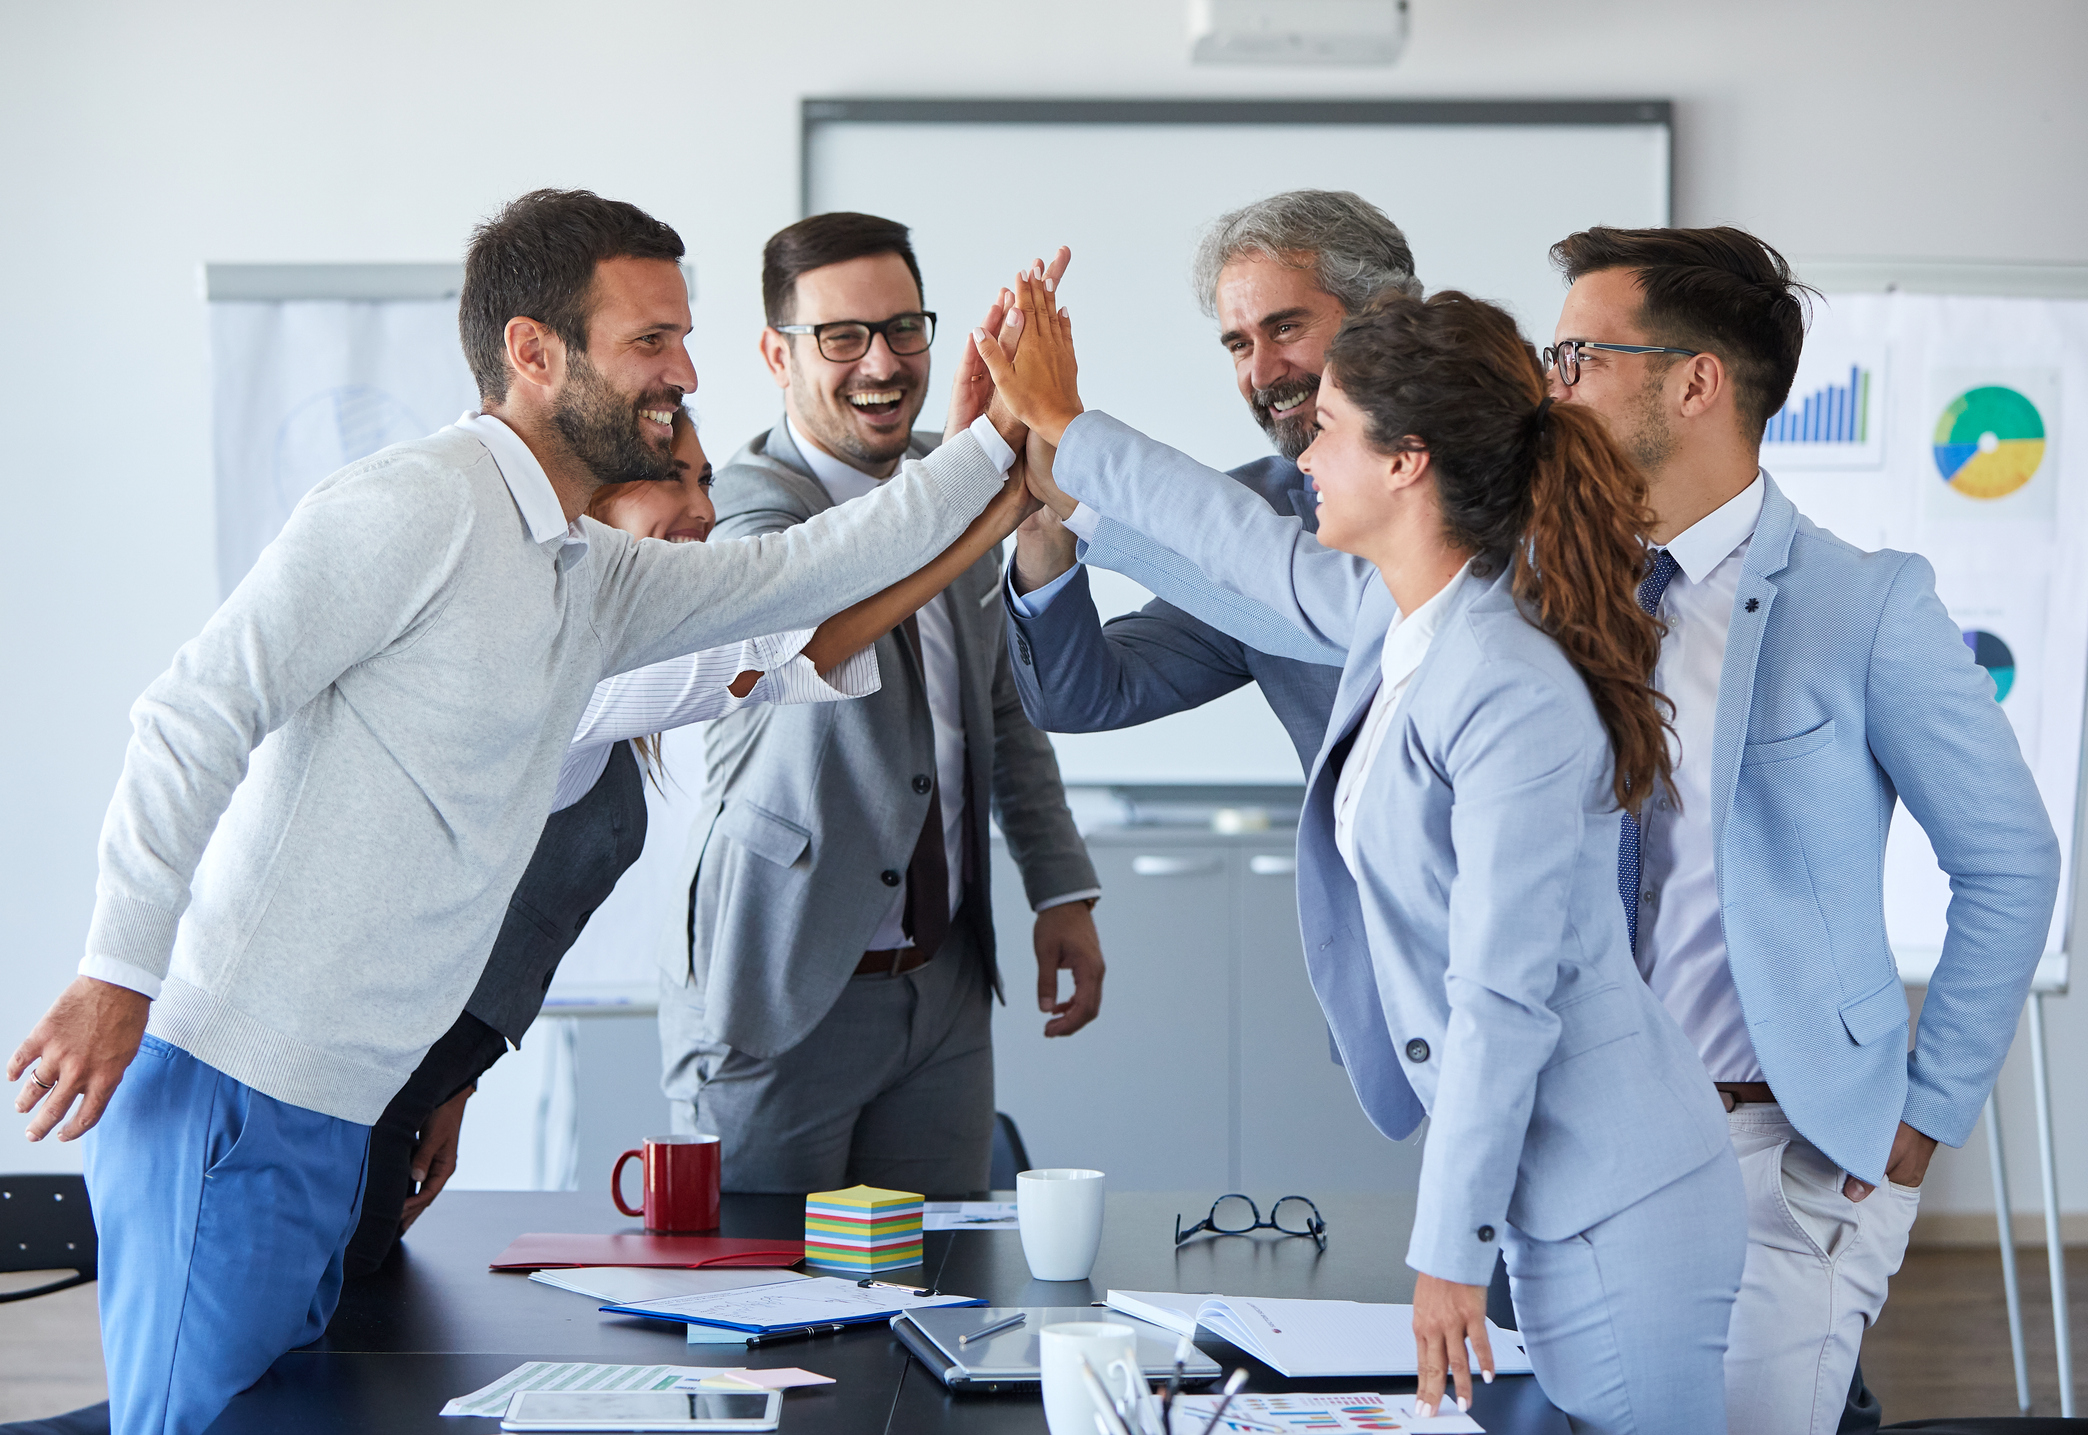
{"points": [[1846, 687], [1478, 971]]}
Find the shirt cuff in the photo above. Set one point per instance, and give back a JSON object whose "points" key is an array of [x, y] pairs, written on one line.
{"points": [[1032, 605], [123, 974], [997, 450], [1083, 523], [1081, 896]]}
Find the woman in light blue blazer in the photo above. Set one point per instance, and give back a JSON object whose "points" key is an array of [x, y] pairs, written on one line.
{"points": [[1457, 872]]}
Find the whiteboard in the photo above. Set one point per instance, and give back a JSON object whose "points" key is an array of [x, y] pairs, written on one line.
{"points": [[1482, 189]]}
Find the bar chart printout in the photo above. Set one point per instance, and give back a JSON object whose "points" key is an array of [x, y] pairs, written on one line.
{"points": [[1833, 413]]}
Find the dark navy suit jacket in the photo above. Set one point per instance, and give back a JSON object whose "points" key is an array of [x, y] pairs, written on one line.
{"points": [[1078, 674]]}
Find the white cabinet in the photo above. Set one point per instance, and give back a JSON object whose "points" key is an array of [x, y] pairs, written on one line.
{"points": [[1209, 1067]]}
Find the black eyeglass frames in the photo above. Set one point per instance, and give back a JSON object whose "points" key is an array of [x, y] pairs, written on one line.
{"points": [[1566, 357], [1236, 1215], [846, 340]]}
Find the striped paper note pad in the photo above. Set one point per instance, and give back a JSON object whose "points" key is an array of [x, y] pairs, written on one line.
{"points": [[862, 1229]]}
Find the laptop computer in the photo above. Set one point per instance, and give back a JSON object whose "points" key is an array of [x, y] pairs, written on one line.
{"points": [[1011, 1359]]}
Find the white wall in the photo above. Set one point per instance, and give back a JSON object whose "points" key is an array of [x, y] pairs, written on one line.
{"points": [[140, 139]]}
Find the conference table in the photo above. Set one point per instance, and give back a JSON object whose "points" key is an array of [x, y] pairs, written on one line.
{"points": [[435, 1323]]}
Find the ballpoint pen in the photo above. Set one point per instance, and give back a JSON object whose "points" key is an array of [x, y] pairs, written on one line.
{"points": [[1016, 1319], [1232, 1388], [801, 1333], [1174, 1384]]}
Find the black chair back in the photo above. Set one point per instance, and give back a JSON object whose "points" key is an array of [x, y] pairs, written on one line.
{"points": [[1009, 1156], [46, 1225]]}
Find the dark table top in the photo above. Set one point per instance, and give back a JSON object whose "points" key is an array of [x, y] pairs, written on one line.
{"points": [[435, 1323]]}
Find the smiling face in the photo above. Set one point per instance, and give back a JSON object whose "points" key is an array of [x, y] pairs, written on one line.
{"points": [[676, 509], [861, 412], [1276, 322], [1358, 485], [616, 404], [1628, 390]]}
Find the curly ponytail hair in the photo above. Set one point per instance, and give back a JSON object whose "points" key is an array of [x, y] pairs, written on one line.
{"points": [[1523, 483]]}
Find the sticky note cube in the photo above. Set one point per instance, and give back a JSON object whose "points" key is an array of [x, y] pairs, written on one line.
{"points": [[863, 1229]]}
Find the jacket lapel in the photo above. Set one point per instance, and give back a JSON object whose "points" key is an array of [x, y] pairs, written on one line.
{"points": [[1767, 556]]}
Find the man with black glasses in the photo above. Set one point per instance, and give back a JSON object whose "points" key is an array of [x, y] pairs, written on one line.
{"points": [[1814, 687], [825, 1007]]}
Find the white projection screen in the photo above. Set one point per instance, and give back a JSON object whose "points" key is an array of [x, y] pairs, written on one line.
{"points": [[1481, 188]]}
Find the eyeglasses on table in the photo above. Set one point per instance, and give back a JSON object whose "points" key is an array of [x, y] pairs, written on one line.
{"points": [[1236, 1215]]}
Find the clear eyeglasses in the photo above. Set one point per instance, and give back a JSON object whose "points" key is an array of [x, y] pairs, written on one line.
{"points": [[1566, 357], [1237, 1215], [843, 341]]}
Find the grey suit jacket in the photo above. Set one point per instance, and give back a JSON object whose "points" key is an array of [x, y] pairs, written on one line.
{"points": [[1077, 674], [808, 809]]}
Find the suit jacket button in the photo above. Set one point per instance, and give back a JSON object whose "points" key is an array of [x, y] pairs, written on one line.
{"points": [[888, 877], [1486, 1233], [1417, 1050], [921, 784]]}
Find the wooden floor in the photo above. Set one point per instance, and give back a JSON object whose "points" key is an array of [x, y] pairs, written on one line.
{"points": [[1941, 1347]]}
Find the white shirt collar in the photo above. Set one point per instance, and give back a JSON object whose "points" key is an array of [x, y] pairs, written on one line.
{"points": [[526, 480], [1711, 540], [1408, 641], [843, 480]]}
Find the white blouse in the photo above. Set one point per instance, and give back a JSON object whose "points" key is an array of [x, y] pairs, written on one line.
{"points": [[695, 687], [1406, 644]]}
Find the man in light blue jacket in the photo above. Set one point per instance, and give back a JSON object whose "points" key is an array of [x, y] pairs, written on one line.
{"points": [[1814, 685]]}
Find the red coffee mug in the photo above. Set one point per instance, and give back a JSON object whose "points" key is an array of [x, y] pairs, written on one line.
{"points": [[681, 1183]]}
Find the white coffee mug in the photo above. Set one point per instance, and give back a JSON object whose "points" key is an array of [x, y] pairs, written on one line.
{"points": [[1112, 1349], [1060, 1212]]}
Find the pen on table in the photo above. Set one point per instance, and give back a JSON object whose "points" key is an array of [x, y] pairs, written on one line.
{"points": [[799, 1334], [1174, 1384], [1232, 1388], [1016, 1319]]}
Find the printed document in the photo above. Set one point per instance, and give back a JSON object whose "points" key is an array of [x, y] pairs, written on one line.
{"points": [[1308, 1339]]}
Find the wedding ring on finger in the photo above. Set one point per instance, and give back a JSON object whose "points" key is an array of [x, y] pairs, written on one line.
{"points": [[46, 1085]]}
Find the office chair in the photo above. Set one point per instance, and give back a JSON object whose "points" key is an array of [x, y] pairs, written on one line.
{"points": [[1009, 1154], [46, 1225]]}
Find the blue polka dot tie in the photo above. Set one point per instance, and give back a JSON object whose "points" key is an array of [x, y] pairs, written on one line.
{"points": [[1629, 862]]}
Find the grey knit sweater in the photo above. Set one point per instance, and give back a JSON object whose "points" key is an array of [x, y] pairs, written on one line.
{"points": [[328, 798]]}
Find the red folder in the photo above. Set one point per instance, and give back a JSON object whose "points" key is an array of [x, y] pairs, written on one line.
{"points": [[542, 1250]]}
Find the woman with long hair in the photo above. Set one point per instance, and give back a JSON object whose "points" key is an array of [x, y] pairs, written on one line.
{"points": [[1477, 555]]}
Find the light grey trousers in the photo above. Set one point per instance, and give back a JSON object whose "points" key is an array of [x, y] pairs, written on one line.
{"points": [[1626, 1322], [893, 1088]]}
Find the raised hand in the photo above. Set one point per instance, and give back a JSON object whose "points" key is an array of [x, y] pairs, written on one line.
{"points": [[973, 390], [1036, 382]]}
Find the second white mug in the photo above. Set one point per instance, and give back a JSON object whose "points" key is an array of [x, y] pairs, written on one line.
{"points": [[1112, 1349], [1060, 1212]]}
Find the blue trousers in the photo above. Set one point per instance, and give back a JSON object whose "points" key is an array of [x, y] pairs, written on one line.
{"points": [[222, 1215], [1626, 1322]]}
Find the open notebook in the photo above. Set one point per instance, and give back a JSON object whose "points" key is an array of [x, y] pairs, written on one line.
{"points": [[1308, 1339]]}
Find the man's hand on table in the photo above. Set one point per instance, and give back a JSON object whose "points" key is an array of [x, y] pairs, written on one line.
{"points": [[79, 1049], [1066, 940], [435, 1159]]}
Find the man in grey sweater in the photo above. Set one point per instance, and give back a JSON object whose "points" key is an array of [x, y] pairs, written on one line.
{"points": [[328, 797]]}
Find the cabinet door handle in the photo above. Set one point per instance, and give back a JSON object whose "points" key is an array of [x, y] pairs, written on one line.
{"points": [[1173, 866], [1267, 865]]}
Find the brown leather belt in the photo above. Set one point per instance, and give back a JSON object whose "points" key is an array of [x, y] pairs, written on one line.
{"points": [[1745, 1093], [891, 962]]}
